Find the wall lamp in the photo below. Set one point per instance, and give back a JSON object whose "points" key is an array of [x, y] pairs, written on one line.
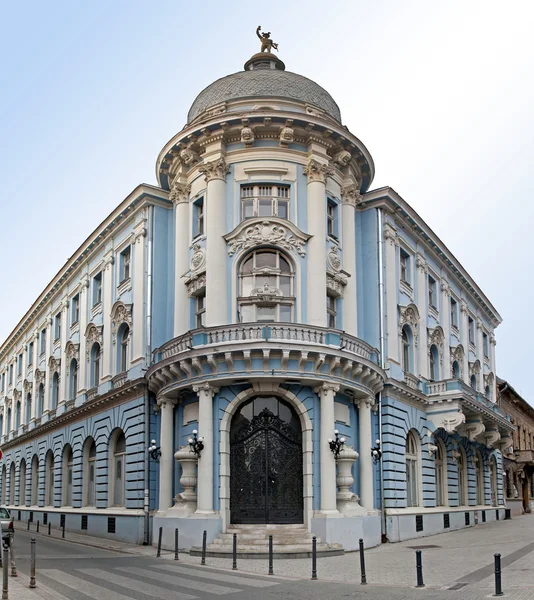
{"points": [[376, 452], [196, 444], [337, 444], [154, 451]]}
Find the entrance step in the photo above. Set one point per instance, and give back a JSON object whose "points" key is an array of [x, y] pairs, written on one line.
{"points": [[289, 541]]}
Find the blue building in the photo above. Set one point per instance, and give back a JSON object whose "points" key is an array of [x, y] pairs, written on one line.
{"points": [[264, 302]]}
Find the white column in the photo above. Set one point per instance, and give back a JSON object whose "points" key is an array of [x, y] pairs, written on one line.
{"points": [[317, 173], [392, 327], [139, 295], [351, 196], [166, 464], [35, 366], [205, 463], [48, 376], [446, 325], [64, 368], [480, 354], [464, 337], [180, 196], [326, 394], [82, 362], [107, 304], [216, 252], [24, 390], [4, 422], [493, 368], [366, 460], [422, 306]]}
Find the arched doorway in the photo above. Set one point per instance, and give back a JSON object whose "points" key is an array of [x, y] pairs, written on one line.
{"points": [[266, 476]]}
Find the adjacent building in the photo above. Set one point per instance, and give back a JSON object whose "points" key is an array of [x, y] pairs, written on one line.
{"points": [[265, 297]]}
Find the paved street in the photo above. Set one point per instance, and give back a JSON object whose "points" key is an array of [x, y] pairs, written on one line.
{"points": [[457, 565]]}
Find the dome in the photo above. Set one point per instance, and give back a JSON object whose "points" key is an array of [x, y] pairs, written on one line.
{"points": [[264, 79]]}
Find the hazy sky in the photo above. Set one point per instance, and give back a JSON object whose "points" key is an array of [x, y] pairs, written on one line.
{"points": [[441, 92]]}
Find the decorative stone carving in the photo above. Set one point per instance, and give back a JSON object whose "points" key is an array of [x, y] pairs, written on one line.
{"points": [[198, 259], [216, 169], [347, 501], [186, 501], [448, 421], [474, 429], [421, 263], [27, 386], [93, 333], [488, 380], [350, 194], [336, 283], [505, 443], [17, 395], [432, 449], [474, 368], [189, 156], [317, 171], [196, 283], [445, 288], [390, 235], [463, 306], [333, 258], [436, 337], [266, 293], [72, 351], [54, 365], [287, 136], [120, 313], [247, 235], [39, 377], [247, 136], [409, 315], [179, 192], [491, 437], [457, 354], [342, 158]]}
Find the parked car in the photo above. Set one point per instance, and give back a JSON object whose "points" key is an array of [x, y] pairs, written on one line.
{"points": [[6, 524]]}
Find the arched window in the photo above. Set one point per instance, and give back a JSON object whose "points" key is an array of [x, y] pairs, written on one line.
{"points": [[266, 288], [487, 392], [12, 473], [479, 471], [456, 370], [434, 363], [28, 407], [22, 483], [40, 400], [118, 468], [55, 391], [440, 460], [4, 484], [412, 468], [35, 480], [17, 415], [493, 476], [8, 428], [73, 379], [474, 381], [124, 337], [49, 474], [95, 365], [89, 456], [462, 477], [406, 349], [67, 476]]}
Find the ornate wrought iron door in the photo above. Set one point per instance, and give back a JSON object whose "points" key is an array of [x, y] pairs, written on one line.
{"points": [[266, 481]]}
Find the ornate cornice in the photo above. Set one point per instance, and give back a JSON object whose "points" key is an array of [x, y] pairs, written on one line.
{"points": [[216, 169], [317, 171]]}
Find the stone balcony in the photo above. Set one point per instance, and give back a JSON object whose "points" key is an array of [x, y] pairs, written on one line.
{"points": [[524, 456], [244, 351]]}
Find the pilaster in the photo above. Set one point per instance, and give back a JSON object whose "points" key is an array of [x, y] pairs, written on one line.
{"points": [[366, 443], [391, 244], [351, 197], [180, 197], [107, 303], [464, 336], [35, 366], [139, 296], [166, 465], [446, 326], [63, 379], [422, 305], [82, 362]]}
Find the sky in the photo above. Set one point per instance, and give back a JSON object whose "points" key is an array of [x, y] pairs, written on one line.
{"points": [[440, 92]]}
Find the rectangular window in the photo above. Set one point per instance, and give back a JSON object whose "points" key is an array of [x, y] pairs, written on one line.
{"points": [[485, 340], [97, 289], [43, 341], [331, 219], [200, 311], [57, 327], [331, 311], [432, 300], [30, 354], [124, 266], [75, 309], [454, 313], [19, 365], [264, 201], [198, 217], [471, 324], [10, 374], [3, 381], [404, 266]]}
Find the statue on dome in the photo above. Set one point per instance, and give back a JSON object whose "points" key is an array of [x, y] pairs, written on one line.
{"points": [[266, 43]]}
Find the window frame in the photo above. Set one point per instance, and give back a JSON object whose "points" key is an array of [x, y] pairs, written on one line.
{"points": [[199, 218], [332, 220], [405, 274], [200, 310], [485, 344], [463, 478], [471, 330], [331, 311], [125, 264], [97, 289], [432, 292], [75, 310], [255, 199], [122, 455], [413, 468], [454, 312], [57, 327], [440, 465]]}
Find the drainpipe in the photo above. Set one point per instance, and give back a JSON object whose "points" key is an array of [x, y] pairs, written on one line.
{"points": [[380, 243]]}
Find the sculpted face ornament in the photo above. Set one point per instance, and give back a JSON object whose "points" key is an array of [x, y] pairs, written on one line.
{"points": [[266, 43]]}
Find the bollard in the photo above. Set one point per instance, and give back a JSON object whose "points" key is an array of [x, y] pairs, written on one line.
{"points": [[234, 554], [5, 579], [32, 564], [49, 524], [12, 553], [498, 583], [271, 572], [204, 535], [362, 564], [37, 526], [419, 568], [314, 557], [28, 526], [158, 555], [176, 544], [63, 530]]}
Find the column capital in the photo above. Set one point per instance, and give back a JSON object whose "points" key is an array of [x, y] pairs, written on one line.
{"points": [[205, 388], [445, 288], [325, 388], [139, 231], [463, 306], [109, 258], [421, 263], [163, 402], [366, 402], [216, 169], [390, 234], [179, 192], [317, 171], [350, 194]]}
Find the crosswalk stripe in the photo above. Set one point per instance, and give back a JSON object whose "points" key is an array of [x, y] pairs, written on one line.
{"points": [[80, 585], [208, 588], [129, 583], [217, 576]]}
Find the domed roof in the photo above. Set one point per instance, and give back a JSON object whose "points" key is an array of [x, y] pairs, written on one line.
{"points": [[264, 81]]}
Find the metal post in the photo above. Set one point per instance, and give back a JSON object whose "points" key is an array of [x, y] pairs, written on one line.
{"points": [[498, 584], [176, 544], [271, 572], [419, 568], [63, 529], [234, 554], [159, 542], [13, 564], [37, 526], [204, 535], [314, 557], [362, 564], [32, 564], [28, 525], [5, 579], [49, 524]]}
